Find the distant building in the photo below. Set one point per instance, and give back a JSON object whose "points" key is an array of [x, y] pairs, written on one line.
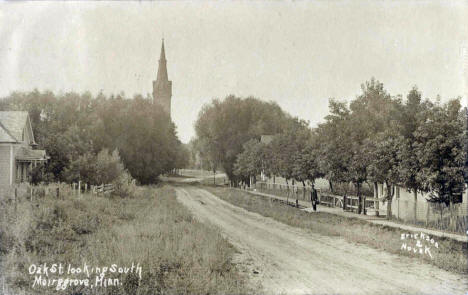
{"points": [[17, 156], [266, 139], [162, 87], [404, 204]]}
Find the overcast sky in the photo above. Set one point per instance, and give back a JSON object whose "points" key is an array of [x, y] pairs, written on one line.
{"points": [[298, 54]]}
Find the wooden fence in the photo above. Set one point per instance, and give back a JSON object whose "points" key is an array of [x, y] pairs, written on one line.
{"points": [[103, 188], [57, 190], [300, 192]]}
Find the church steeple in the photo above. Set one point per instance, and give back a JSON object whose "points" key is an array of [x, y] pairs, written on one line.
{"points": [[162, 69], [162, 87]]}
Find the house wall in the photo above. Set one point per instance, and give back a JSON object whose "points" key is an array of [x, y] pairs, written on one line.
{"points": [[7, 151], [403, 205], [5, 165]]}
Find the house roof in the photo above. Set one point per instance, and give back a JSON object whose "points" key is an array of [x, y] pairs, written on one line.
{"points": [[5, 136], [12, 124], [26, 154]]}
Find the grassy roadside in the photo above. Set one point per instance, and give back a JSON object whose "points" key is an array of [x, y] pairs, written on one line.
{"points": [[450, 255], [178, 255]]}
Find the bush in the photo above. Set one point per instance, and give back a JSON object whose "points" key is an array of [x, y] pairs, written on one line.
{"points": [[97, 169]]}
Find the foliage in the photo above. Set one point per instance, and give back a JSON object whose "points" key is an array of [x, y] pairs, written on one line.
{"points": [[286, 149], [306, 165], [411, 116], [440, 150], [74, 128], [224, 126], [251, 161], [333, 155], [417, 144]]}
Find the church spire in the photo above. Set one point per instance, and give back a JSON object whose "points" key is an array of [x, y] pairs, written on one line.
{"points": [[162, 87], [162, 69], [163, 54]]}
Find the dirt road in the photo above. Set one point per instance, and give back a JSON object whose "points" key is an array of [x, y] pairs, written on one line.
{"points": [[290, 260]]}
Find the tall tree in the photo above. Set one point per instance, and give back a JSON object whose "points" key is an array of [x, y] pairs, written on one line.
{"points": [[334, 156], [371, 113], [411, 116], [224, 126], [287, 147], [440, 150], [73, 128], [251, 162], [306, 164]]}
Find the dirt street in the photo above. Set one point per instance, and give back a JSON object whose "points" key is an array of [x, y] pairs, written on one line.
{"points": [[290, 260]]}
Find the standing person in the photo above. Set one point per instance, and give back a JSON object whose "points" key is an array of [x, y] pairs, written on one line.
{"points": [[313, 197]]}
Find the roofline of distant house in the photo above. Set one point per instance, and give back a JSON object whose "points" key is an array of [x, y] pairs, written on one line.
{"points": [[8, 142], [8, 132], [28, 119]]}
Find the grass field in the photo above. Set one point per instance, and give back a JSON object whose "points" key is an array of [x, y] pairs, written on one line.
{"points": [[450, 255], [178, 255]]}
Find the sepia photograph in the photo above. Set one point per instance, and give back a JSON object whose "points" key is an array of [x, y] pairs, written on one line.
{"points": [[244, 147]]}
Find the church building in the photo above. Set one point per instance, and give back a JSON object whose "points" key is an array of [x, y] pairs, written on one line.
{"points": [[162, 87]]}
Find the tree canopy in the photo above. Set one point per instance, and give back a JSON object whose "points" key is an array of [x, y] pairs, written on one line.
{"points": [[224, 126], [376, 137], [74, 128]]}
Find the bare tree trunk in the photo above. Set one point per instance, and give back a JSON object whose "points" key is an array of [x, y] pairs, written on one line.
{"points": [[389, 201], [415, 194], [376, 196], [287, 192], [303, 191], [362, 198], [358, 192]]}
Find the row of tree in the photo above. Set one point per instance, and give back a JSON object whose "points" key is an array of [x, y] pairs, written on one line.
{"points": [[376, 138], [86, 136]]}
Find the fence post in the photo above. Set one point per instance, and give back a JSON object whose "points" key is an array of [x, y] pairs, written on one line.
{"points": [[344, 202], [296, 192], [57, 191], [16, 198], [427, 213], [376, 196], [398, 208], [364, 210]]}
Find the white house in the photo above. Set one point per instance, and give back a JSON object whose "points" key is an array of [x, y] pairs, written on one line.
{"points": [[403, 205], [17, 156]]}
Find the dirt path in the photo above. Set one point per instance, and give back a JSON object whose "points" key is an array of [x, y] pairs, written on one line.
{"points": [[290, 260]]}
